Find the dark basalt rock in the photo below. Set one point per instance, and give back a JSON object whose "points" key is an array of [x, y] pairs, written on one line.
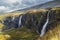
{"points": [[30, 21], [42, 22], [52, 21], [7, 22], [16, 21], [27, 20]]}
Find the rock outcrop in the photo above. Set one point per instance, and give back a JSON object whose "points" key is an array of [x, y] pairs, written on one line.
{"points": [[32, 21]]}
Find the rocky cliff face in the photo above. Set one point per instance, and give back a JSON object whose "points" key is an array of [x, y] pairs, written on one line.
{"points": [[37, 22]]}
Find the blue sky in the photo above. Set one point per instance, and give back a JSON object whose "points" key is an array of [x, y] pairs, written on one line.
{"points": [[10, 5]]}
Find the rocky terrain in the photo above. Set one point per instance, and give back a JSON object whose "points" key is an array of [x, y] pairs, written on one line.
{"points": [[30, 25]]}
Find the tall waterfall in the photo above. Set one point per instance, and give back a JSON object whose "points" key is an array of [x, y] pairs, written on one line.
{"points": [[44, 26], [20, 21]]}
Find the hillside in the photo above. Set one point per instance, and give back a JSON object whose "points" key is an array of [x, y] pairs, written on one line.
{"points": [[25, 34]]}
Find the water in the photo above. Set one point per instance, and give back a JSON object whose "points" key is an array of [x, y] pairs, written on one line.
{"points": [[13, 18], [20, 21], [44, 26]]}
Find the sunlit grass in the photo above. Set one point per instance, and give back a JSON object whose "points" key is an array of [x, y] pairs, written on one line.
{"points": [[23, 33], [4, 36]]}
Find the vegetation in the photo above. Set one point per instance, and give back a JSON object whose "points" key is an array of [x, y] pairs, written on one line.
{"points": [[26, 34]]}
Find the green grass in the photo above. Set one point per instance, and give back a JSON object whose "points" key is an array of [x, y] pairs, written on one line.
{"points": [[26, 34]]}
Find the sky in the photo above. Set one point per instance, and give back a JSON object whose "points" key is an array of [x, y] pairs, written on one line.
{"points": [[11, 5]]}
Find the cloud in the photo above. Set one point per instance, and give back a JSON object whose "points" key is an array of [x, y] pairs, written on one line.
{"points": [[11, 1], [3, 8], [8, 5]]}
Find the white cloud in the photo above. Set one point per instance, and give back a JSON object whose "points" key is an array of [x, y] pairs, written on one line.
{"points": [[3, 8], [10, 5], [11, 1]]}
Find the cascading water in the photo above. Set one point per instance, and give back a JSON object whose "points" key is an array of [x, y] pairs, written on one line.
{"points": [[44, 26], [20, 21], [13, 18]]}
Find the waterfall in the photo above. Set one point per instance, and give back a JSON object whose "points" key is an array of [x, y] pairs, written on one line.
{"points": [[13, 18], [19, 25], [44, 26]]}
